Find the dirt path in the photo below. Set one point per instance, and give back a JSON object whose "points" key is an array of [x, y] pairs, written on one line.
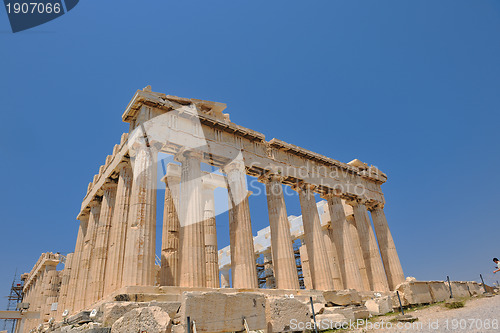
{"points": [[479, 315]]}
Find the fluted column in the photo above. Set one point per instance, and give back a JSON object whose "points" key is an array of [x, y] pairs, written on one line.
{"points": [[339, 232], [333, 259], [74, 278], [211, 255], [38, 292], [243, 265], [49, 272], [313, 233], [63, 294], [368, 242], [283, 258], [358, 251], [84, 285], [139, 259], [100, 254], [169, 274], [192, 239], [390, 257], [50, 292], [118, 232], [224, 278], [269, 271]]}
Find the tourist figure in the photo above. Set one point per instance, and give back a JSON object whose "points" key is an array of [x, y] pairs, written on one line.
{"points": [[496, 261]]}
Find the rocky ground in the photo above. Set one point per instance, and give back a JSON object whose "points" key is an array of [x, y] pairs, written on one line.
{"points": [[478, 315]]}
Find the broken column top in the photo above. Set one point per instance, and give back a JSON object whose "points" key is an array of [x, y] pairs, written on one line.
{"points": [[155, 99]]}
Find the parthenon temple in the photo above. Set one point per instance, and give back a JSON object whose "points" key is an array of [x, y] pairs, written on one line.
{"points": [[342, 241]]}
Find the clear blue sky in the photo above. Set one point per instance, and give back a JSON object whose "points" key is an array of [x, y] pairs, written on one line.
{"points": [[409, 86]]}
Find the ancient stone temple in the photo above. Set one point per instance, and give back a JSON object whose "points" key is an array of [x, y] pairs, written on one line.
{"points": [[344, 241]]}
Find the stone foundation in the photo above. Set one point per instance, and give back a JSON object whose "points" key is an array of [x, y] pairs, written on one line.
{"points": [[166, 309]]}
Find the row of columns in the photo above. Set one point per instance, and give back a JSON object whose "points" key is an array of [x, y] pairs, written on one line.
{"points": [[43, 290], [349, 254], [189, 237], [116, 242], [361, 258], [98, 264]]}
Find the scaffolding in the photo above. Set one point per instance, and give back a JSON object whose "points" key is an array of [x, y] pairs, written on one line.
{"points": [[15, 296], [298, 263], [265, 276]]}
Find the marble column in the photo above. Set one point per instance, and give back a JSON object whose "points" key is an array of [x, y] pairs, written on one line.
{"points": [[63, 293], [192, 271], [269, 271], [333, 259], [368, 242], [139, 258], [285, 269], [390, 257], [243, 265], [51, 289], [74, 279], [84, 298], [224, 278], [49, 273], [341, 237], [358, 252], [211, 254], [118, 231], [169, 274], [313, 233], [38, 292], [100, 254]]}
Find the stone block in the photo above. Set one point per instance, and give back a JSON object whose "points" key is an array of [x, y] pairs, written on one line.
{"points": [[150, 319], [439, 291], [459, 289], [342, 297], [178, 329], [281, 312], [146, 297], [330, 321], [111, 312], [318, 307], [414, 292], [80, 318], [351, 313], [83, 329], [379, 306], [475, 288], [218, 312], [169, 307], [361, 312]]}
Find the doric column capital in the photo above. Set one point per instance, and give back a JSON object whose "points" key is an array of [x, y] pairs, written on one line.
{"points": [[96, 202], [374, 205], [109, 184], [185, 153], [303, 186], [141, 144], [330, 193], [234, 165], [270, 177], [355, 201], [124, 163]]}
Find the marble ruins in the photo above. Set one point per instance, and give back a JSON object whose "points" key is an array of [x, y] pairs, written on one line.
{"points": [[339, 248]]}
